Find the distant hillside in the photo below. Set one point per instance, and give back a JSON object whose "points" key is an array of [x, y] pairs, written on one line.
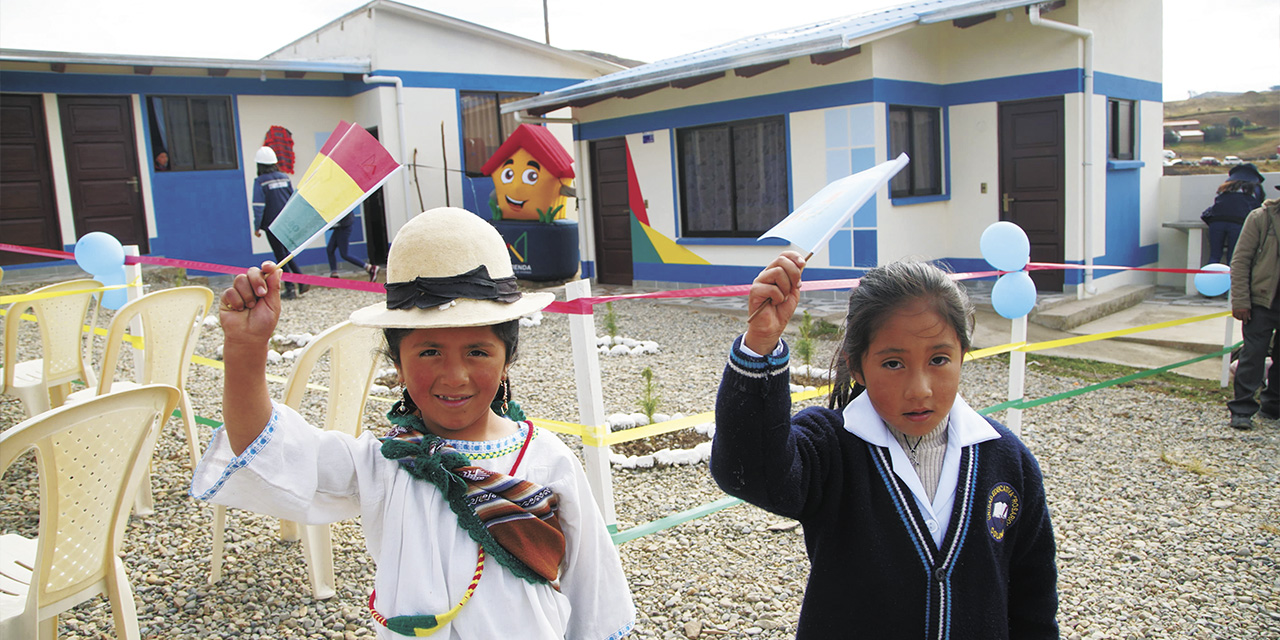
{"points": [[1260, 110]]}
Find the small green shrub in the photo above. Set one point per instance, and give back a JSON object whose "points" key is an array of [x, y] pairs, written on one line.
{"points": [[649, 397], [610, 320]]}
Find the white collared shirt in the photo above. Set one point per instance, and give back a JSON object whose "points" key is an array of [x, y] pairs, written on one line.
{"points": [[964, 427]]}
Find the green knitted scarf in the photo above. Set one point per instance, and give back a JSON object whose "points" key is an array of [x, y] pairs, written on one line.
{"points": [[427, 457]]}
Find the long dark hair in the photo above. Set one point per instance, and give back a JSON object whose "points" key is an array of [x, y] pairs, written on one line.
{"points": [[507, 332], [264, 169], [878, 295]]}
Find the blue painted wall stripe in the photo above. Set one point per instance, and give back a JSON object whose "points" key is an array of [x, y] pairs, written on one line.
{"points": [[1022, 87], [1114, 86]]}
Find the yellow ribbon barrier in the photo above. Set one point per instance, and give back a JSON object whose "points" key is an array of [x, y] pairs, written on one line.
{"points": [[217, 364], [23, 297], [600, 436], [993, 351], [1054, 344]]}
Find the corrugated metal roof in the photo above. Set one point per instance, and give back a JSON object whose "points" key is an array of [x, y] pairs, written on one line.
{"points": [[64, 57], [836, 34]]}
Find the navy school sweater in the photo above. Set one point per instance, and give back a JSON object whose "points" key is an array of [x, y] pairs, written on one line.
{"points": [[875, 570]]}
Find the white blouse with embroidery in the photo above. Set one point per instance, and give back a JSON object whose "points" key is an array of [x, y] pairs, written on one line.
{"points": [[425, 561]]}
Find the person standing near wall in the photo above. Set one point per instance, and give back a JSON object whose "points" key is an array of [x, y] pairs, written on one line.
{"points": [[1240, 194], [271, 190], [1255, 277], [339, 243]]}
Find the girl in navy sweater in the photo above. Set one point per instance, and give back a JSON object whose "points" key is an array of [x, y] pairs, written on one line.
{"points": [[922, 519]]}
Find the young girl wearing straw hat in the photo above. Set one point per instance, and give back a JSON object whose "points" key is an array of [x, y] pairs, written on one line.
{"points": [[480, 526]]}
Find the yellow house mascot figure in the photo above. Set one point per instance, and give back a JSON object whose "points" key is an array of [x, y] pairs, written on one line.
{"points": [[532, 174]]}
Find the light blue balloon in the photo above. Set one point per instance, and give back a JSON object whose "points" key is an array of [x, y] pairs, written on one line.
{"points": [[1216, 283], [115, 298], [1014, 295], [1005, 245], [99, 253]]}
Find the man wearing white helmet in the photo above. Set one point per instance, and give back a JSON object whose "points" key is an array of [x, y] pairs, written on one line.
{"points": [[271, 190]]}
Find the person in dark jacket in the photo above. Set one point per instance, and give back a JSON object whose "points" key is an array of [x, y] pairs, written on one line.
{"points": [[1240, 194], [340, 243], [271, 190], [922, 519]]}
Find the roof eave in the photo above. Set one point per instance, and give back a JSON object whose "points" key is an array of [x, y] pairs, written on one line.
{"points": [[975, 9], [110, 59], [557, 99]]}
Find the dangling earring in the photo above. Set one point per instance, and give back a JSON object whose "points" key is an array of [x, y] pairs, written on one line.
{"points": [[506, 395], [406, 405]]}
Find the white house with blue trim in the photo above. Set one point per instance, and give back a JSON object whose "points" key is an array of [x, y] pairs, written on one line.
{"points": [[1044, 113], [81, 131]]}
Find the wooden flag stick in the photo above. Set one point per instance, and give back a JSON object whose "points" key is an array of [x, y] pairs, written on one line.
{"points": [[770, 301]]}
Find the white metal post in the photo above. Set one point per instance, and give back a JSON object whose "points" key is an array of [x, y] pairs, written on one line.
{"points": [[132, 273], [586, 367], [1017, 374]]}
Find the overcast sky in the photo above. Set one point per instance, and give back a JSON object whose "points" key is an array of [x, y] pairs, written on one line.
{"points": [[1208, 46]]}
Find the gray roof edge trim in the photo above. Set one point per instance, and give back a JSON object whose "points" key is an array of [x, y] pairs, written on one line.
{"points": [[603, 86], [110, 59], [973, 9]]}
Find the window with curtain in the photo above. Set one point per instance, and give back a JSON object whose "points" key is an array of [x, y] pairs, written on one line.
{"points": [[916, 131], [733, 178], [1120, 129], [196, 132], [484, 128]]}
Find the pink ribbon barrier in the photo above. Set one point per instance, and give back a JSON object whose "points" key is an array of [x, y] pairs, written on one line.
{"points": [[579, 306]]}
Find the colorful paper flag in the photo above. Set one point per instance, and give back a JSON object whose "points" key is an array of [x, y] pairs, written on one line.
{"points": [[812, 224], [351, 165]]}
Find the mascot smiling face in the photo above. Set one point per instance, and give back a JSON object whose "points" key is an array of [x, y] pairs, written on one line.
{"points": [[531, 174]]}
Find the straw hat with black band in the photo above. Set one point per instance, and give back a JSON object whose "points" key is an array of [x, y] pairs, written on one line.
{"points": [[449, 268]]}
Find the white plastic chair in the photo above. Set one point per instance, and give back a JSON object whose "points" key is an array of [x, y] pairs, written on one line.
{"points": [[353, 359], [90, 458], [45, 382], [170, 321]]}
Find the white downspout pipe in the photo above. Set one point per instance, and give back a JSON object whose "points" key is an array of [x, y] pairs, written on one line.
{"points": [[404, 144], [1087, 161]]}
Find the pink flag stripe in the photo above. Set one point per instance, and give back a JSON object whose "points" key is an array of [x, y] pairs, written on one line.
{"points": [[362, 157], [336, 136]]}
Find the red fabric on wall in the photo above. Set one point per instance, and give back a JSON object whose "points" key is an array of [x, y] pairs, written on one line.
{"points": [[280, 140]]}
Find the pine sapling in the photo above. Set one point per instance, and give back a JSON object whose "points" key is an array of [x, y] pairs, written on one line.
{"points": [[649, 398], [610, 320]]}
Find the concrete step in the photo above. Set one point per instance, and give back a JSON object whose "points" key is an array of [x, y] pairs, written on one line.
{"points": [[1068, 314]]}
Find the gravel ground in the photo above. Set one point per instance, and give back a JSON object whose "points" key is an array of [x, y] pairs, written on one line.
{"points": [[1167, 521]]}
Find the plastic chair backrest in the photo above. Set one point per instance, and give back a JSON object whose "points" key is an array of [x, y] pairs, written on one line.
{"points": [[90, 457], [171, 321], [61, 326], [353, 357]]}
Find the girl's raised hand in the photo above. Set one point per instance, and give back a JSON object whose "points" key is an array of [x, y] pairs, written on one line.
{"points": [[250, 308], [773, 298]]}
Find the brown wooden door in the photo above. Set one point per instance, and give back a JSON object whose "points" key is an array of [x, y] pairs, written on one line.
{"points": [[611, 213], [28, 210], [1032, 180], [102, 167]]}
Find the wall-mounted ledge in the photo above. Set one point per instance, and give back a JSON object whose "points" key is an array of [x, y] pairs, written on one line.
{"points": [[739, 242], [1123, 165], [899, 202]]}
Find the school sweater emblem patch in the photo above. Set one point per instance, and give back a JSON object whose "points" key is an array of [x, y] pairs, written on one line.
{"points": [[1002, 510]]}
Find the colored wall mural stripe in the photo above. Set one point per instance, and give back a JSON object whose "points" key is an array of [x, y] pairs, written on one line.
{"points": [[635, 199], [668, 251]]}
